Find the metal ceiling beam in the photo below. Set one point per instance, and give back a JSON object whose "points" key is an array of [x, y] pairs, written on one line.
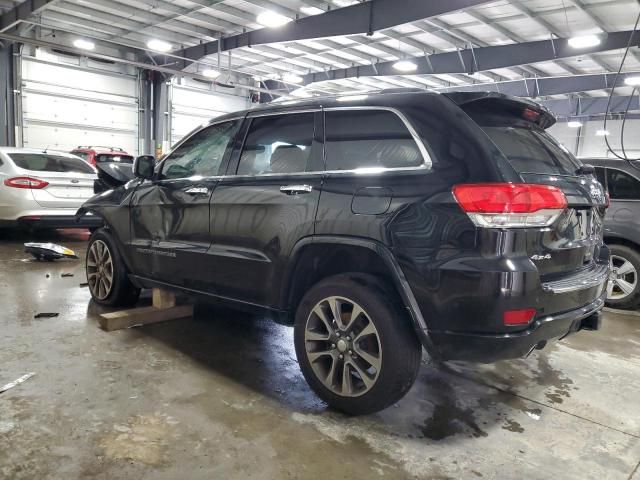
{"points": [[484, 58], [366, 17], [579, 107], [544, 87], [22, 12]]}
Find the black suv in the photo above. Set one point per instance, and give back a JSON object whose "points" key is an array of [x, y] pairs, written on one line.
{"points": [[622, 228], [373, 225]]}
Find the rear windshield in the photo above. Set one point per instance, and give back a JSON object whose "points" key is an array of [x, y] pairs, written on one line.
{"points": [[109, 157], [532, 150], [45, 162]]}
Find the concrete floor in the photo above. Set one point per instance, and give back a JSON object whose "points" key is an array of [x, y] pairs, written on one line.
{"points": [[221, 396]]}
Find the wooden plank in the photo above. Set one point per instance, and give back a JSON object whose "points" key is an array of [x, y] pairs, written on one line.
{"points": [[142, 316], [163, 298]]}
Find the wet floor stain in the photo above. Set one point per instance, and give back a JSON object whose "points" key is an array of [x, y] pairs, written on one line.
{"points": [[143, 438], [513, 426], [449, 420]]}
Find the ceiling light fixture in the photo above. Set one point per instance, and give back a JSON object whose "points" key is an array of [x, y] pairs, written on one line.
{"points": [[84, 44], [602, 133], [271, 19], [311, 10], [584, 41], [292, 78], [574, 124], [158, 45], [632, 81], [211, 73], [405, 66]]}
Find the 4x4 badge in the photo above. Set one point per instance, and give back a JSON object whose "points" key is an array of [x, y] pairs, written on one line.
{"points": [[546, 256]]}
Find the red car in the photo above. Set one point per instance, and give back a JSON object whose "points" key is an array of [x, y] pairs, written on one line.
{"points": [[95, 154]]}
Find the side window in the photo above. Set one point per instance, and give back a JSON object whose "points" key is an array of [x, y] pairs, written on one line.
{"points": [[278, 144], [600, 175], [202, 153], [368, 139], [622, 186]]}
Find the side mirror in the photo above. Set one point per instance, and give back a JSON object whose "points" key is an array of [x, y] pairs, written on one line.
{"points": [[143, 166]]}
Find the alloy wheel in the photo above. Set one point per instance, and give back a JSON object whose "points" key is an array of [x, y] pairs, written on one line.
{"points": [[623, 278], [343, 346], [99, 270]]}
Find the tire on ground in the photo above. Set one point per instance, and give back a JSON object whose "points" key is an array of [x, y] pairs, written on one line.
{"points": [[633, 256], [400, 347], [123, 293]]}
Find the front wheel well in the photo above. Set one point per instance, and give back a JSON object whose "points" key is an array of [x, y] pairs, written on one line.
{"points": [[318, 261], [621, 241]]}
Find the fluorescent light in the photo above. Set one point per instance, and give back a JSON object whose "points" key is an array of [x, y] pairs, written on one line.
{"points": [[344, 3], [602, 133], [292, 78], [211, 73], [84, 44], [574, 124], [158, 45], [301, 93], [633, 81], [352, 98], [584, 41], [311, 10], [405, 66], [272, 19]]}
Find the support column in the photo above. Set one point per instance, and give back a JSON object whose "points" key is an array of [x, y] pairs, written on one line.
{"points": [[7, 105], [146, 113], [160, 113]]}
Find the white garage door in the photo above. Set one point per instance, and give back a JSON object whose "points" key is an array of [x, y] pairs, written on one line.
{"points": [[64, 106], [192, 106]]}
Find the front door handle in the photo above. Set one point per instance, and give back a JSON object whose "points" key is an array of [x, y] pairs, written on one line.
{"points": [[296, 189], [197, 191]]}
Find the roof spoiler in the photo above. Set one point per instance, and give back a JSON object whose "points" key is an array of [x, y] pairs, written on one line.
{"points": [[530, 110]]}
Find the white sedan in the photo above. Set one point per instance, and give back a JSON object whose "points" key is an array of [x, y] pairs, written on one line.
{"points": [[44, 189]]}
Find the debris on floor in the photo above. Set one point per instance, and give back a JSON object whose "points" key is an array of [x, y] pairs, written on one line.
{"points": [[16, 382], [49, 251], [67, 275], [46, 315], [84, 284]]}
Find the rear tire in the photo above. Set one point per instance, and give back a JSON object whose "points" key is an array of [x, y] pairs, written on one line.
{"points": [[107, 273], [358, 363], [623, 289]]}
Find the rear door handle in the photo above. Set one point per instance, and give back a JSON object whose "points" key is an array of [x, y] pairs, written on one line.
{"points": [[296, 189], [197, 191]]}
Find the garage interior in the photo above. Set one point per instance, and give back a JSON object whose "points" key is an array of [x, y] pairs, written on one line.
{"points": [[220, 395]]}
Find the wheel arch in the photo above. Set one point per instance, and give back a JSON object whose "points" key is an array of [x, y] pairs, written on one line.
{"points": [[318, 257], [622, 241]]}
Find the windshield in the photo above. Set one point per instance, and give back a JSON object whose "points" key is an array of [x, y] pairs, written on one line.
{"points": [[532, 150], [45, 162], [109, 157]]}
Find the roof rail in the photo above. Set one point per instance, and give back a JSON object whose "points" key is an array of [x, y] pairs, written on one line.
{"points": [[113, 149]]}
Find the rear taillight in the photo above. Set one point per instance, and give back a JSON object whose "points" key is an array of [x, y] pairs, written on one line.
{"points": [[509, 205], [518, 317], [25, 182], [607, 200]]}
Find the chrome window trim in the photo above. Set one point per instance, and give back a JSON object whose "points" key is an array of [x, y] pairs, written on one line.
{"points": [[427, 163], [258, 114]]}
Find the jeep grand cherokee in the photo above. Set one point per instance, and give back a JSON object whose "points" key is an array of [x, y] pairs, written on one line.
{"points": [[375, 226]]}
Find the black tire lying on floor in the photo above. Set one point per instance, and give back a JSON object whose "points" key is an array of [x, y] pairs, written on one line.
{"points": [[355, 345], [107, 273]]}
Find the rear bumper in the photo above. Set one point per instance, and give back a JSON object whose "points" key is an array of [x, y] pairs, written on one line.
{"points": [[487, 348]]}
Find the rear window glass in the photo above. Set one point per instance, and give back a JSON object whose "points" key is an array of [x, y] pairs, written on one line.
{"points": [[109, 157], [532, 150], [82, 155], [44, 162]]}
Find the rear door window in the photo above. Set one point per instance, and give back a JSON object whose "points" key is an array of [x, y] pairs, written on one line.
{"points": [[278, 144], [44, 162], [601, 175], [110, 157], [356, 139], [622, 186]]}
